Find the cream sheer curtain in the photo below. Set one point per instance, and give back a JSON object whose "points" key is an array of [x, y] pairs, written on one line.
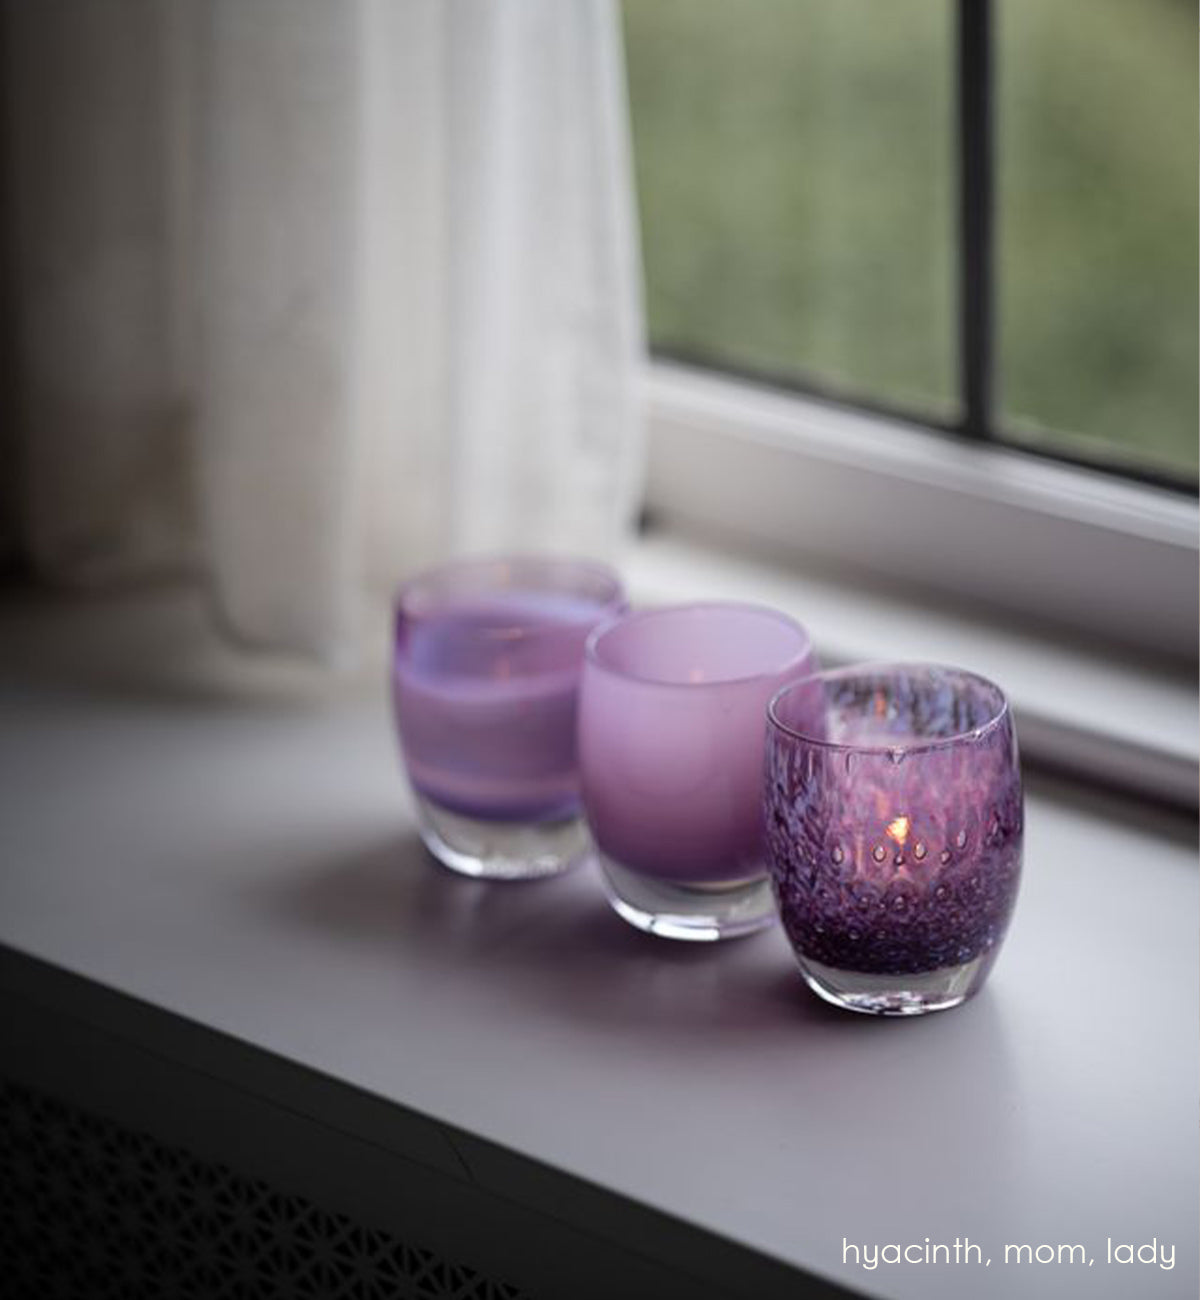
{"points": [[311, 292]]}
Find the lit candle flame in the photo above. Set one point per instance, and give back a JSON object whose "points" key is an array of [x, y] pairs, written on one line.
{"points": [[897, 830]]}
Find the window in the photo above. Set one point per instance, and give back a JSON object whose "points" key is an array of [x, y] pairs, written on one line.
{"points": [[1096, 108], [978, 216]]}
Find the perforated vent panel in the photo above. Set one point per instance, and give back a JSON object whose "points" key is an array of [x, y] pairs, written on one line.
{"points": [[93, 1211]]}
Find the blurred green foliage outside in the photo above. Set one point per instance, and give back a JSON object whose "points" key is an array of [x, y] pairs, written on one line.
{"points": [[796, 164]]}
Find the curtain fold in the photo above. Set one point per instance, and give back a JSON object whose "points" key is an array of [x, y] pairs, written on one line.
{"points": [[311, 294], [102, 440]]}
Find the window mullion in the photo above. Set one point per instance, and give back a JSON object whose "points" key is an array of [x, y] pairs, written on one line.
{"points": [[975, 189]]}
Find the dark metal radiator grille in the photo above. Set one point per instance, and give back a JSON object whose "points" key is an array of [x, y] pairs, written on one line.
{"points": [[95, 1211]]}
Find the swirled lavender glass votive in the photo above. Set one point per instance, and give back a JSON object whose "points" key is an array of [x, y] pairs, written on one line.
{"points": [[894, 823], [671, 728], [485, 684]]}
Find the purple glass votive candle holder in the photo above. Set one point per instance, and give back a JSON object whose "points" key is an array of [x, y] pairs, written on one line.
{"points": [[894, 821], [672, 720], [485, 683]]}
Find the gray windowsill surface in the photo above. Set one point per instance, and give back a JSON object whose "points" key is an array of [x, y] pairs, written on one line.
{"points": [[250, 863], [1113, 716]]}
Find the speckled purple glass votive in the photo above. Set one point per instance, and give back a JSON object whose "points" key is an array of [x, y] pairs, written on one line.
{"points": [[485, 684], [672, 722], [894, 823]]}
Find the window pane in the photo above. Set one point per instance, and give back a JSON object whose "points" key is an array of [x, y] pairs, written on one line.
{"points": [[1097, 106], [795, 163]]}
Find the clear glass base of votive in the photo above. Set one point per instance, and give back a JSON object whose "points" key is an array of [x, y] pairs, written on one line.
{"points": [[895, 995], [491, 850], [700, 913]]}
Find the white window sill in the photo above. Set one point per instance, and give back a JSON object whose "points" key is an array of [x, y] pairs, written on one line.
{"points": [[813, 482], [250, 866], [1113, 717]]}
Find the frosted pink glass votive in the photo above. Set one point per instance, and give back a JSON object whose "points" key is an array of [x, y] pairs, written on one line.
{"points": [[485, 683], [672, 728]]}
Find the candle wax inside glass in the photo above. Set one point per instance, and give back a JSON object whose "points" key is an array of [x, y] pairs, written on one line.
{"points": [[485, 693]]}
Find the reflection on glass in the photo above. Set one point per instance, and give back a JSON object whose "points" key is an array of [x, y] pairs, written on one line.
{"points": [[795, 163], [1096, 111]]}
